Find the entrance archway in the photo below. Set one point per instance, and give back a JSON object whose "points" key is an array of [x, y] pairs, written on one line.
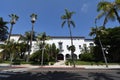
{"points": [[67, 56], [60, 57], [75, 56]]}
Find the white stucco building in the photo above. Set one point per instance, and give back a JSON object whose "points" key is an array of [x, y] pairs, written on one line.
{"points": [[62, 42]]}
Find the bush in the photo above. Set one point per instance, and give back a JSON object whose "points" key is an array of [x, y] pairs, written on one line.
{"points": [[86, 57], [36, 57], [16, 62]]}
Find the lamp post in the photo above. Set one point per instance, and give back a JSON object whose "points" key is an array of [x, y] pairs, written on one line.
{"points": [[33, 19]]}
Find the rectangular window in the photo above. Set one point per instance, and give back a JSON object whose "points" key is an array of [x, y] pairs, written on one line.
{"points": [[79, 46], [60, 45]]}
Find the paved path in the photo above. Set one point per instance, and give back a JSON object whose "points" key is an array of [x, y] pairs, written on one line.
{"points": [[59, 63]]}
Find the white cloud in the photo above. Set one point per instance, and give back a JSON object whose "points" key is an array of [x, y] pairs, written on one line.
{"points": [[84, 8]]}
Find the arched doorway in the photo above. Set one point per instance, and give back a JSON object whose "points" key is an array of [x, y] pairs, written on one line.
{"points": [[67, 56], [60, 57], [75, 56]]}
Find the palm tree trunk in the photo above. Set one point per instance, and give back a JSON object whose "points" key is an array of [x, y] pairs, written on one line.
{"points": [[42, 53], [71, 45], [10, 33], [30, 49], [103, 52], [11, 59], [117, 15]]}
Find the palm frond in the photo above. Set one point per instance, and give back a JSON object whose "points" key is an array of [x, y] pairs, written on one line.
{"points": [[72, 22], [101, 15], [64, 17], [117, 1], [63, 23], [103, 6], [93, 31]]}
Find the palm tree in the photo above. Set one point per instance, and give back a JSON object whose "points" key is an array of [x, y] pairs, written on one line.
{"points": [[109, 10], [97, 31], [3, 29], [67, 19], [42, 37], [11, 49], [33, 19], [27, 38], [14, 18]]}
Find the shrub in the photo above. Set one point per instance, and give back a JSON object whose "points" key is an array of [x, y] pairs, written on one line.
{"points": [[86, 57]]}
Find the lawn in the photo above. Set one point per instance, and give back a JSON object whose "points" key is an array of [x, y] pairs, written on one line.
{"points": [[89, 63]]}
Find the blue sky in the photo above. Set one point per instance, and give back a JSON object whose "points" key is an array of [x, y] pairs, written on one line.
{"points": [[49, 13]]}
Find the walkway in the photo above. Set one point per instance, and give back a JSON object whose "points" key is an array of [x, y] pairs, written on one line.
{"points": [[59, 63]]}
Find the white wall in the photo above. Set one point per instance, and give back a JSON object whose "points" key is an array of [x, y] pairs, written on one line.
{"points": [[79, 41]]}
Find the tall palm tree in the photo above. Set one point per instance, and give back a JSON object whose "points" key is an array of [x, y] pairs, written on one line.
{"points": [[109, 10], [97, 31], [3, 29], [42, 37], [67, 18], [33, 19], [14, 18]]}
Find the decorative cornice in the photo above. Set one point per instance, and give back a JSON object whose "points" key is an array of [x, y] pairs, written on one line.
{"points": [[16, 35], [61, 37], [65, 37]]}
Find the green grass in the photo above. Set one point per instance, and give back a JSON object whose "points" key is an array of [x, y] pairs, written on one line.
{"points": [[90, 63]]}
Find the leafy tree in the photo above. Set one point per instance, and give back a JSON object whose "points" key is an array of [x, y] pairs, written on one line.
{"points": [[3, 29], [54, 51], [22, 50], [10, 50], [112, 41], [27, 38], [67, 18], [42, 37], [36, 57]]}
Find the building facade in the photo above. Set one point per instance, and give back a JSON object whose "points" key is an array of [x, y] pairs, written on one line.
{"points": [[62, 43]]}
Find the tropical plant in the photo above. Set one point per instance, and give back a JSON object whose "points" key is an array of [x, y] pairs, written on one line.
{"points": [[67, 18], [27, 38], [71, 48], [109, 10], [111, 42], [98, 32], [54, 52], [42, 37], [3, 29]]}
